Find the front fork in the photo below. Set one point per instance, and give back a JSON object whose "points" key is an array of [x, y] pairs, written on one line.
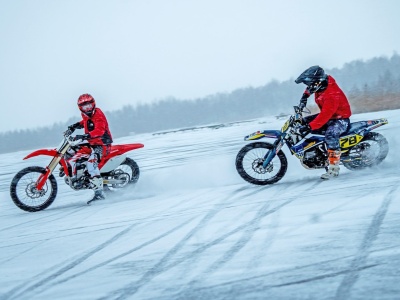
{"points": [[49, 169], [272, 153]]}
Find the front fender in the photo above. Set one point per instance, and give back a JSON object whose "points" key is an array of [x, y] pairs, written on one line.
{"points": [[48, 152], [273, 134]]}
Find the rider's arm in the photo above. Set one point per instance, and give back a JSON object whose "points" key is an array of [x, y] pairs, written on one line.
{"points": [[303, 100], [77, 125]]}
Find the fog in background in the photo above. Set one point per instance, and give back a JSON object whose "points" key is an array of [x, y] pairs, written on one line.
{"points": [[372, 85], [135, 52]]}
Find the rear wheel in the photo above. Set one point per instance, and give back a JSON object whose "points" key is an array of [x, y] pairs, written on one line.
{"points": [[371, 151], [127, 172], [249, 164], [24, 193]]}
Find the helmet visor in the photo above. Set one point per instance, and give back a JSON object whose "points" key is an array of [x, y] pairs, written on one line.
{"points": [[86, 106]]}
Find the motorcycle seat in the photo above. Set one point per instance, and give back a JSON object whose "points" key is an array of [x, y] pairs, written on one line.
{"points": [[354, 127]]}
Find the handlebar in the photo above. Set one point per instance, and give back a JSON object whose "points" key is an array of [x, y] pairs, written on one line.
{"points": [[299, 110], [71, 141]]}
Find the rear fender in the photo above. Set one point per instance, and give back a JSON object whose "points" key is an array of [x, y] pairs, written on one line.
{"points": [[121, 149], [116, 155], [354, 137], [273, 134], [363, 127], [112, 163], [372, 124]]}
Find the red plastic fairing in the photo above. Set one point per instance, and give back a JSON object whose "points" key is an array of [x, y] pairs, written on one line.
{"points": [[48, 152], [121, 149], [116, 150]]}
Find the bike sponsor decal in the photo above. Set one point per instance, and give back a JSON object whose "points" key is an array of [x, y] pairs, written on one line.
{"points": [[350, 141], [309, 145], [376, 126], [279, 146], [285, 126], [382, 121], [254, 136], [260, 134]]}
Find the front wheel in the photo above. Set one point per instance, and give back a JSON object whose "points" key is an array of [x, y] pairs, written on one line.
{"points": [[249, 164], [24, 193], [372, 150]]}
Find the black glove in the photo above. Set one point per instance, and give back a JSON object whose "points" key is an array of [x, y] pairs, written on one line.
{"points": [[81, 137], [69, 132], [304, 130], [302, 105], [303, 100], [71, 128]]}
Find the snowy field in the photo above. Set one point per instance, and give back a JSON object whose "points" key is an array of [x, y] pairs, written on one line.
{"points": [[193, 229]]}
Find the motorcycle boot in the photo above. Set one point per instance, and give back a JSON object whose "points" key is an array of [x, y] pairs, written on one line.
{"points": [[97, 186], [333, 169]]}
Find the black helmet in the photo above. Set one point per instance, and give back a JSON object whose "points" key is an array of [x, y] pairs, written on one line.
{"points": [[314, 78]]}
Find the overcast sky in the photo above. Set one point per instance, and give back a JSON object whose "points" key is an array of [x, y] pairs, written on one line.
{"points": [[131, 52]]}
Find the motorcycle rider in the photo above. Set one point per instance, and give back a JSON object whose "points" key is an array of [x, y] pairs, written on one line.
{"points": [[334, 113], [97, 134]]}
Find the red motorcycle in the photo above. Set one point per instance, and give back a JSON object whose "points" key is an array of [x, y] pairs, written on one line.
{"points": [[35, 188]]}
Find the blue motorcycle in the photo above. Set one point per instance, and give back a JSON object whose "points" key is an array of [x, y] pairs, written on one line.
{"points": [[265, 163]]}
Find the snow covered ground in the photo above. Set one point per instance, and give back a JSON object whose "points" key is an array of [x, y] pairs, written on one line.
{"points": [[193, 229]]}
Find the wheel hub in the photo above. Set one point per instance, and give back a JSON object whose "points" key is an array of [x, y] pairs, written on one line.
{"points": [[258, 166], [32, 191], [121, 176]]}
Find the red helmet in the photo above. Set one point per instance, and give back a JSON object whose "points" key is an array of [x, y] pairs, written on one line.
{"points": [[86, 104]]}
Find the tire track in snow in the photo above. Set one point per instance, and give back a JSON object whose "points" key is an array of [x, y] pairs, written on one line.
{"points": [[344, 290], [269, 239], [25, 289], [257, 283], [115, 224], [231, 290], [32, 222], [43, 282], [163, 266], [264, 205], [316, 217], [131, 288], [249, 229], [288, 186], [115, 258]]}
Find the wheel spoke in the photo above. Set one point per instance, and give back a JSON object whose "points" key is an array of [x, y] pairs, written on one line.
{"points": [[24, 193], [249, 163]]}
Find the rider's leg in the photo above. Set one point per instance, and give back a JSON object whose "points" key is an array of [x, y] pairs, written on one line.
{"points": [[93, 168], [73, 157], [334, 129]]}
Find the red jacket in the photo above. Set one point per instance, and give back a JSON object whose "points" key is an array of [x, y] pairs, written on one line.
{"points": [[97, 127], [333, 105]]}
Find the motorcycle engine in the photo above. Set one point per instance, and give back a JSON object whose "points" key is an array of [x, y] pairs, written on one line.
{"points": [[80, 180], [315, 158]]}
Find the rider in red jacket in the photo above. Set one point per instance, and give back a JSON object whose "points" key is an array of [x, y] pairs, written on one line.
{"points": [[334, 113], [97, 134]]}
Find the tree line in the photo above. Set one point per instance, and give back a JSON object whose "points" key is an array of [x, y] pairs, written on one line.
{"points": [[370, 85]]}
